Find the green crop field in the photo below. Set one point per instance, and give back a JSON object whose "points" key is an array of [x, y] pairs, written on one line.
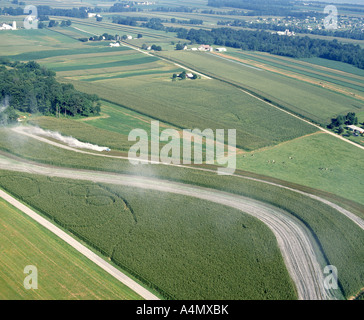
{"points": [[190, 249], [182, 247], [338, 237], [202, 104], [318, 161], [64, 52], [345, 80], [335, 65], [319, 105], [63, 273], [321, 170]]}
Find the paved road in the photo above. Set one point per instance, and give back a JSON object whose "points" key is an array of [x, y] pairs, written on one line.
{"points": [[296, 245]]}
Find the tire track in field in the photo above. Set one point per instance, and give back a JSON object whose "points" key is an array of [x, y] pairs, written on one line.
{"points": [[294, 241]]}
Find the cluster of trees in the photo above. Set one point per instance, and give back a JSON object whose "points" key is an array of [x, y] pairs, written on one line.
{"points": [[191, 21], [105, 36], [12, 11], [180, 46], [153, 47], [54, 23], [81, 12], [183, 76], [128, 21], [340, 121], [296, 47], [29, 87], [157, 24], [154, 23], [174, 9], [74, 12]]}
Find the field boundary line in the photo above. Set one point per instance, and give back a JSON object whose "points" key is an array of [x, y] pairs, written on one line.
{"points": [[283, 110], [353, 217], [123, 278], [294, 241]]}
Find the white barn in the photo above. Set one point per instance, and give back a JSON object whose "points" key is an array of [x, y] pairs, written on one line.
{"points": [[355, 128]]}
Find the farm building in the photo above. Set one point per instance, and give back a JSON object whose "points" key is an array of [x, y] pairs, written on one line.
{"points": [[221, 49], [285, 33], [355, 129], [5, 26], [205, 48], [114, 44]]}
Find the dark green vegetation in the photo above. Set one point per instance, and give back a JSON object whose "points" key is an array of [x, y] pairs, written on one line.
{"points": [[28, 87], [48, 11], [23, 240], [340, 239], [297, 47], [184, 248], [349, 119]]}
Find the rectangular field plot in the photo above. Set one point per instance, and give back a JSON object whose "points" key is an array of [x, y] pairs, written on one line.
{"points": [[63, 272], [202, 104], [306, 99], [187, 248]]}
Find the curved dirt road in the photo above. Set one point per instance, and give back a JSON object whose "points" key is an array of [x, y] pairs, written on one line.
{"points": [[293, 238], [348, 214]]}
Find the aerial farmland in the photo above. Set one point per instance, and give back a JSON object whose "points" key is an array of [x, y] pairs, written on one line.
{"points": [[181, 150]]}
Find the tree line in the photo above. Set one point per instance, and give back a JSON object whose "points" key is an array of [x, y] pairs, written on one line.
{"points": [[355, 34], [29, 87], [295, 47], [264, 41], [259, 7], [349, 119], [48, 11]]}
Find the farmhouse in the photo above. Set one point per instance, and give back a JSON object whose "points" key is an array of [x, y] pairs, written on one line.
{"points": [[286, 33], [355, 129], [5, 26], [205, 48]]}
